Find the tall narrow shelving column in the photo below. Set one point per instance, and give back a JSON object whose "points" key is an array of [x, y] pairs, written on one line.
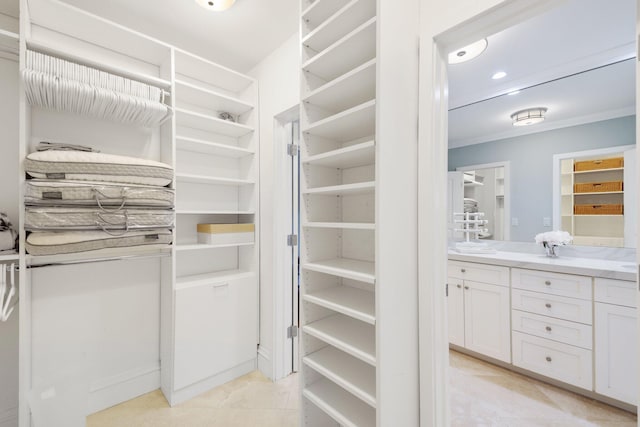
{"points": [[212, 327], [359, 245]]}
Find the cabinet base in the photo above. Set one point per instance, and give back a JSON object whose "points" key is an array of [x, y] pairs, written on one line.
{"points": [[590, 394]]}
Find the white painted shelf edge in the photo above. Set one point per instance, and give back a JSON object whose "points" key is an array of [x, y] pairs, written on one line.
{"points": [[203, 179], [363, 271], [242, 105], [211, 212], [343, 115], [183, 282], [352, 302], [202, 246], [339, 80], [210, 124], [360, 187], [341, 225], [358, 154], [349, 335], [9, 257], [356, 377], [344, 408], [202, 146]]}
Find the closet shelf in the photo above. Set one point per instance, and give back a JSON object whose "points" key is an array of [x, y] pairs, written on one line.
{"points": [[596, 171], [206, 279], [363, 271], [196, 67], [202, 246], [349, 157], [9, 42], [597, 193], [100, 255], [191, 119], [349, 301], [354, 13], [341, 225], [344, 189], [191, 94], [9, 257], [345, 409], [212, 212], [354, 49], [78, 58], [356, 122], [212, 180], [319, 11], [206, 147], [352, 88], [349, 373], [349, 335]]}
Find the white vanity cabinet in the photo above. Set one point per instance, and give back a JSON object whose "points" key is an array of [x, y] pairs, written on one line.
{"points": [[552, 325], [616, 360], [478, 308]]}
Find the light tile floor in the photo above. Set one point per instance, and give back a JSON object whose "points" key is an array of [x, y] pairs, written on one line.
{"points": [[481, 395]]}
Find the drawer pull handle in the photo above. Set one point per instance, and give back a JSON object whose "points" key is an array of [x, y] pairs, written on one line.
{"points": [[458, 286], [548, 359], [547, 282], [462, 270], [466, 287], [548, 328], [547, 305]]}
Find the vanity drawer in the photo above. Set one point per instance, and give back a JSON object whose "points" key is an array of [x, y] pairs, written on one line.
{"points": [[559, 361], [619, 292], [567, 285], [563, 331], [572, 309], [484, 273]]}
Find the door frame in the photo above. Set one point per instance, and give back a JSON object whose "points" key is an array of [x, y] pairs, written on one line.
{"points": [[441, 32], [282, 356]]}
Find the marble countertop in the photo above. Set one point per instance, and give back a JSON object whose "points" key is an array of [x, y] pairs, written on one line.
{"points": [[611, 269]]}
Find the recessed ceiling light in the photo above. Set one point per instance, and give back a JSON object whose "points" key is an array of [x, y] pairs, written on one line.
{"points": [[528, 117], [467, 53], [216, 5], [515, 92], [499, 75]]}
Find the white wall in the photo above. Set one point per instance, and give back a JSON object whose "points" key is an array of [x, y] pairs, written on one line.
{"points": [[279, 87]]}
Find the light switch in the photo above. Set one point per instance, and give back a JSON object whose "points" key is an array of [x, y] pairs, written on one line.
{"points": [[546, 221], [515, 222]]}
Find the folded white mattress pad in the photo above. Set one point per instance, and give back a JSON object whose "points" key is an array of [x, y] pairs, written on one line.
{"points": [[88, 193], [54, 243], [89, 166], [61, 218]]}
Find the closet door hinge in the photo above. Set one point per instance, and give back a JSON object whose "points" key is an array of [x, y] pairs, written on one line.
{"points": [[292, 150], [446, 289], [292, 240], [292, 331]]}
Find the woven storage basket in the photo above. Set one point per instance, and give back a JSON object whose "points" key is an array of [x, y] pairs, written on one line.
{"points": [[597, 187], [589, 165], [598, 209]]}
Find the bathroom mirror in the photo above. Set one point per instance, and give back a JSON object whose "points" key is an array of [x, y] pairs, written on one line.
{"points": [[588, 103]]}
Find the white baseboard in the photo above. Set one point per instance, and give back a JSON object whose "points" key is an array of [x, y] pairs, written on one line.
{"points": [[111, 391], [265, 364], [200, 387], [9, 417]]}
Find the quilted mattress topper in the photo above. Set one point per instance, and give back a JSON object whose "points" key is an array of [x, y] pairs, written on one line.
{"points": [[89, 166]]}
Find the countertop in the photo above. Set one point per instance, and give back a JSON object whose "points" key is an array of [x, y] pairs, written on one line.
{"points": [[611, 269]]}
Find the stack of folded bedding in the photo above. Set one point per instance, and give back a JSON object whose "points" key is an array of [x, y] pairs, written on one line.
{"points": [[80, 200]]}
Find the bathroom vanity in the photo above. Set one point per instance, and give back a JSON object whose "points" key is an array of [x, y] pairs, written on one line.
{"points": [[568, 320]]}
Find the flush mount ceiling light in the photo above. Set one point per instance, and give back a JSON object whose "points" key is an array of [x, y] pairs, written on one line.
{"points": [[528, 117], [216, 5], [467, 53]]}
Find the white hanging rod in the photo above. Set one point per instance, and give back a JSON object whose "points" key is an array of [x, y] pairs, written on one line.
{"points": [[94, 260], [46, 49]]}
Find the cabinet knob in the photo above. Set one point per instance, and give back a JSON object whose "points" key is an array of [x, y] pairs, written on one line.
{"points": [[548, 359], [547, 305], [547, 282], [458, 286], [466, 287], [548, 328], [463, 270]]}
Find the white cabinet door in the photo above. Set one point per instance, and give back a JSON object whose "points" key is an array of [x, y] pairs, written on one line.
{"points": [[215, 329], [487, 325], [616, 352], [455, 307]]}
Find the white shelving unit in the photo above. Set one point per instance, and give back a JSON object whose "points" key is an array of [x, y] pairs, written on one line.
{"points": [[353, 337], [216, 174]]}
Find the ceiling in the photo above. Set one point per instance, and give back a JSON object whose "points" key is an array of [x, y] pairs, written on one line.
{"points": [[238, 38], [576, 36]]}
